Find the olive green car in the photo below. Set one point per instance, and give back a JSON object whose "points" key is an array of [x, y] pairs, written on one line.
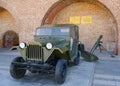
{"points": [[54, 48]]}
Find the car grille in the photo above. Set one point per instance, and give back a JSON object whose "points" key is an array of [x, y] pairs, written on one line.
{"points": [[34, 52]]}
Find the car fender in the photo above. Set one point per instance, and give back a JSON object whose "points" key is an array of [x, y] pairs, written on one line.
{"points": [[14, 48], [50, 52], [21, 51]]}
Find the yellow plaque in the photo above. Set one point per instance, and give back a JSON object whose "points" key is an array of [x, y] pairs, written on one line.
{"points": [[89, 19], [71, 20], [75, 20], [81, 20], [86, 19]]}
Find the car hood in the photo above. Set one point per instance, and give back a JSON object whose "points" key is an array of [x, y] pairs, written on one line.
{"points": [[55, 41]]}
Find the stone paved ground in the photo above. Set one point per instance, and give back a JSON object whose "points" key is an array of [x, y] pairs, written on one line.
{"points": [[80, 75], [107, 70]]}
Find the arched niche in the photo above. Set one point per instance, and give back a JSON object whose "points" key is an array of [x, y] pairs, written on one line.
{"points": [[8, 29], [10, 39], [103, 21]]}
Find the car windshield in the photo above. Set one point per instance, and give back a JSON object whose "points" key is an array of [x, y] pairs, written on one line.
{"points": [[53, 31]]}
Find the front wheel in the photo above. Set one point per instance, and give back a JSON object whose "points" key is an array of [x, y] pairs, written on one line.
{"points": [[15, 71], [60, 71]]}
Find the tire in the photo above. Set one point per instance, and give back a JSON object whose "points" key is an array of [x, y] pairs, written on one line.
{"points": [[61, 71], [14, 69], [77, 59]]}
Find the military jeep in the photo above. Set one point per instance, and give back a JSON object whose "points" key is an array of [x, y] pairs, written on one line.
{"points": [[54, 48]]}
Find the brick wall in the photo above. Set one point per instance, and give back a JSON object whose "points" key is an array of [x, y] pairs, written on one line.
{"points": [[7, 22], [28, 15], [101, 23]]}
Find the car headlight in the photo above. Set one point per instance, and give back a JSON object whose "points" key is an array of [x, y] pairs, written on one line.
{"points": [[49, 46], [22, 45]]}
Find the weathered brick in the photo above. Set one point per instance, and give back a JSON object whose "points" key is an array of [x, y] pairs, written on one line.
{"points": [[23, 16]]}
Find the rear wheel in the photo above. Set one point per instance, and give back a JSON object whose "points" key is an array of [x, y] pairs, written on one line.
{"points": [[14, 69], [60, 71], [77, 59]]}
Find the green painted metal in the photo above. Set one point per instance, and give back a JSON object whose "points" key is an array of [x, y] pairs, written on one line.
{"points": [[89, 56], [64, 44], [97, 43]]}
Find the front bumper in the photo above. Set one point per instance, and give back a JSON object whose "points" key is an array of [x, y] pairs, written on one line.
{"points": [[34, 66]]}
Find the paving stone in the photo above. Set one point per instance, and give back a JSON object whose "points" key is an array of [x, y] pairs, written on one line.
{"points": [[107, 71], [80, 75]]}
